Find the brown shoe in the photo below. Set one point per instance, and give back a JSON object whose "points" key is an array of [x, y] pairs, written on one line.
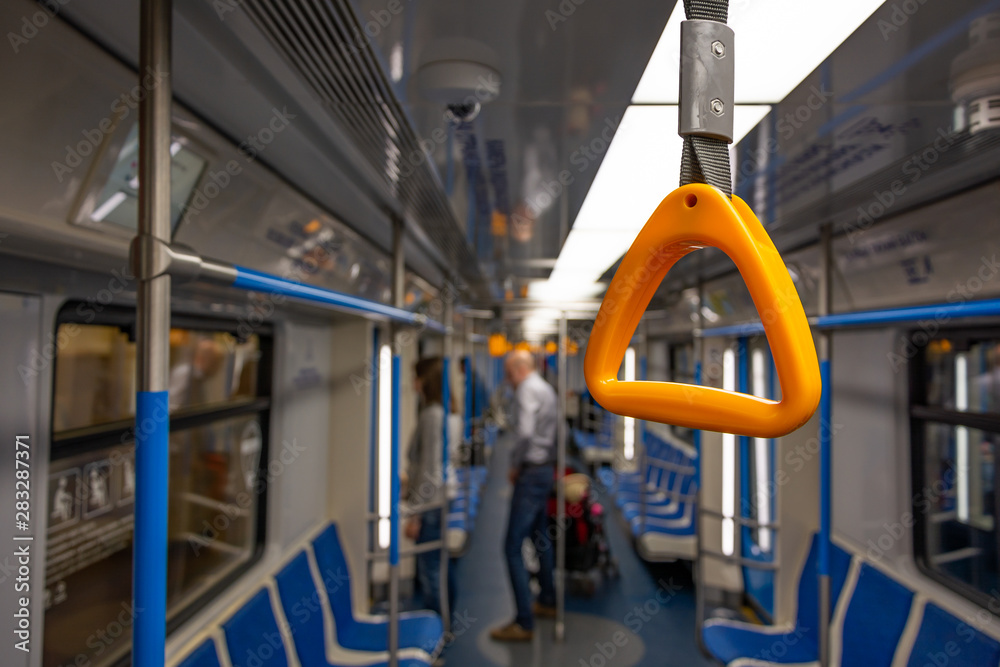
{"points": [[543, 610], [512, 633]]}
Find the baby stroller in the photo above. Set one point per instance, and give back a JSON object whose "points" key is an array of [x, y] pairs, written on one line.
{"points": [[588, 554]]}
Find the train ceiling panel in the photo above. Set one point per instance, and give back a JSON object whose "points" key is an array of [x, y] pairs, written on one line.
{"points": [[486, 202], [532, 153], [316, 38], [879, 128], [70, 183], [566, 73], [237, 81]]}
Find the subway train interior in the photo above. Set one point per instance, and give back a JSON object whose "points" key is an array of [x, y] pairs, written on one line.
{"points": [[343, 333]]}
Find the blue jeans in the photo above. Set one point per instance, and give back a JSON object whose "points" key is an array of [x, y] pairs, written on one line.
{"points": [[429, 565], [529, 518]]}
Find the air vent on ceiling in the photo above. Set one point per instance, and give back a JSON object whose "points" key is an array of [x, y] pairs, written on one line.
{"points": [[317, 38]]}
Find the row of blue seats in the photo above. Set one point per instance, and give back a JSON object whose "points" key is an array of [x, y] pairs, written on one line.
{"points": [[876, 622], [469, 484], [594, 447], [659, 500], [253, 636], [596, 440]]}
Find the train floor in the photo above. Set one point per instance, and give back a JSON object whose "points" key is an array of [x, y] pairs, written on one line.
{"points": [[645, 617]]}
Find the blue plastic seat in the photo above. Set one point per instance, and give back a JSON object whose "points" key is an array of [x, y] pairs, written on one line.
{"points": [[252, 635], [606, 476], [205, 655], [659, 509], [254, 640], [670, 504], [632, 491], [460, 508], [944, 640], [731, 640], [875, 619], [419, 629], [680, 526], [594, 447], [584, 439], [303, 609]]}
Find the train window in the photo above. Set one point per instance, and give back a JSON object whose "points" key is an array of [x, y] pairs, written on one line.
{"points": [[95, 376], [955, 431], [118, 201], [964, 380], [218, 454]]}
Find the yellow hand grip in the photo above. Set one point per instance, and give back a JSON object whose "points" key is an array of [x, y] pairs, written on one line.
{"points": [[692, 217]]}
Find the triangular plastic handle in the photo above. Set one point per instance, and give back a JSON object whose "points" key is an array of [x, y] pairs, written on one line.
{"points": [[692, 217]]}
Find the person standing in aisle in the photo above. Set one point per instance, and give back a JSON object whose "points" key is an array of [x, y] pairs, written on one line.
{"points": [[424, 483], [532, 472]]}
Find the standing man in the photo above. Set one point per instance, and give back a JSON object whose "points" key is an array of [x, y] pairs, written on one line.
{"points": [[532, 472]]}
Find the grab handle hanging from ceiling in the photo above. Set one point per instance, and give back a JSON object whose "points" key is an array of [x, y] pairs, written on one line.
{"points": [[702, 212]]}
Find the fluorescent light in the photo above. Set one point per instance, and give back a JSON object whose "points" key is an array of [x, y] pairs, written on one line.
{"points": [[635, 164], [581, 251], [384, 444], [396, 62], [762, 458], [105, 209], [728, 462], [641, 167], [540, 322], [542, 313], [629, 439], [772, 56], [580, 289], [962, 462], [536, 328], [962, 381]]}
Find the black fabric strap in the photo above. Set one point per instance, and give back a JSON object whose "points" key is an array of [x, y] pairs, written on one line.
{"points": [[708, 10], [706, 160]]}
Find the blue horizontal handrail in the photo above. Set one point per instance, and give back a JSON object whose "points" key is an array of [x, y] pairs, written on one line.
{"points": [[734, 330], [940, 313], [256, 280]]}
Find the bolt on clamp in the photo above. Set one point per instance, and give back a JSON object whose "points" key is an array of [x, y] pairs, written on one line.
{"points": [[707, 80]]}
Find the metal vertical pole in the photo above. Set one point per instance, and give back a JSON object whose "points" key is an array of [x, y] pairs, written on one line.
{"points": [[445, 454], [825, 303], [560, 630], [394, 521], [152, 421], [398, 285]]}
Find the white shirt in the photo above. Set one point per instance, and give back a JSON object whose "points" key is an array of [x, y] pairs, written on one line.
{"points": [[535, 421]]}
